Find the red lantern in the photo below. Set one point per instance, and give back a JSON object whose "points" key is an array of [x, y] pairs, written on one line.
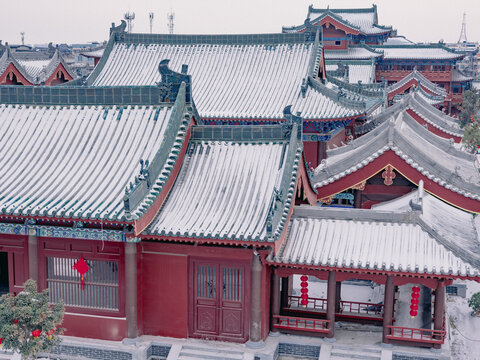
{"points": [[415, 295], [413, 313], [36, 333], [304, 290], [416, 289], [304, 302], [81, 267], [414, 301], [414, 307], [304, 296], [304, 278]]}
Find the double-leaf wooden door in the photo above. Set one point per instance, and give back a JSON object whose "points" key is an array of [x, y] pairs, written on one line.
{"points": [[218, 300]]}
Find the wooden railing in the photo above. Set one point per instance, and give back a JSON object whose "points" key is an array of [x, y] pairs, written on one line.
{"points": [[417, 335], [353, 307], [304, 324]]}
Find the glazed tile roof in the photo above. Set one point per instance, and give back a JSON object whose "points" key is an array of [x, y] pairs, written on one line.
{"points": [[232, 190], [420, 79], [364, 72], [36, 71], [364, 20], [459, 76], [434, 157], [398, 40], [421, 52], [353, 53], [459, 230], [370, 240], [235, 77]]}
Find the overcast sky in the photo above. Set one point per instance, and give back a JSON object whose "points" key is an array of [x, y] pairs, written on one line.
{"points": [[69, 21]]}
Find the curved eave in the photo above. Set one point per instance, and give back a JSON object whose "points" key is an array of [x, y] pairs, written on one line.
{"points": [[407, 167], [24, 79], [204, 240], [367, 271], [66, 219]]}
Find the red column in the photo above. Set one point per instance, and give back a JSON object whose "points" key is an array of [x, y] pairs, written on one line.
{"points": [[388, 308], [275, 299], [331, 300], [131, 289], [439, 308]]}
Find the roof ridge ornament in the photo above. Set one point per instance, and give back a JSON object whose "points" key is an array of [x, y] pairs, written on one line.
{"points": [[171, 80], [118, 29], [416, 204]]}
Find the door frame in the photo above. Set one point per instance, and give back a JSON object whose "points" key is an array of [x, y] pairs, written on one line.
{"points": [[245, 266]]}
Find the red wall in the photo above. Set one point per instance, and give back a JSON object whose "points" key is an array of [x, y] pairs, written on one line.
{"points": [[17, 249], [164, 294], [104, 328]]}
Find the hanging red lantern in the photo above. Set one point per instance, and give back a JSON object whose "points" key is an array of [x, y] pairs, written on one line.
{"points": [[413, 313], [50, 334], [36, 333], [82, 267], [416, 289], [415, 295], [414, 307], [304, 290], [414, 301]]}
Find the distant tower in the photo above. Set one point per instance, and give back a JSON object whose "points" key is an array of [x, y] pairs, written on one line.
{"points": [[170, 18], [150, 16], [23, 37], [129, 17], [463, 33]]}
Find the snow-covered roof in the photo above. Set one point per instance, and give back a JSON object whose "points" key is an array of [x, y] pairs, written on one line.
{"points": [[420, 79], [36, 71], [420, 52], [235, 76], [398, 40], [370, 240], [459, 76], [360, 52], [432, 156], [94, 53], [230, 189], [459, 229], [363, 20]]}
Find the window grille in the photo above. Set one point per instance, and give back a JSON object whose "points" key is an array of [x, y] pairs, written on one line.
{"points": [[101, 283]]}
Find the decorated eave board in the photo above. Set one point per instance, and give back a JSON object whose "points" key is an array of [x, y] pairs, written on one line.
{"points": [[55, 172], [419, 240], [282, 66], [237, 186], [52, 71], [352, 21], [416, 105], [401, 145]]}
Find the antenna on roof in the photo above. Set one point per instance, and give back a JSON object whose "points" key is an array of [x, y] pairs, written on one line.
{"points": [[23, 37], [129, 17], [170, 17], [463, 32], [150, 16]]}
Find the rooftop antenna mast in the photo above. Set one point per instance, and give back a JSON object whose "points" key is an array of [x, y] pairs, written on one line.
{"points": [[150, 16], [129, 17], [463, 33], [23, 37], [170, 17]]}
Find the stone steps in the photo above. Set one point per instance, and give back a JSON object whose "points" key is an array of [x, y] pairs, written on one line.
{"points": [[189, 352], [355, 353]]}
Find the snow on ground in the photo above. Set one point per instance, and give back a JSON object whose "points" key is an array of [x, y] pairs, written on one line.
{"points": [[464, 328]]}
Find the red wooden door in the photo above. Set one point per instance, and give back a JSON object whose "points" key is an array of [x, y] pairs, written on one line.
{"points": [[218, 301]]}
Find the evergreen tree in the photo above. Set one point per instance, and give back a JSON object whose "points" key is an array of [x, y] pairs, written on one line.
{"points": [[474, 303], [470, 107], [471, 137], [28, 324]]}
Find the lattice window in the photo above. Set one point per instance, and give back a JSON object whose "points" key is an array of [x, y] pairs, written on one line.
{"points": [[206, 282], [232, 284], [101, 283]]}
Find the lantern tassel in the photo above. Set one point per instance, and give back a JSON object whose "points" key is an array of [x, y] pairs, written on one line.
{"points": [[82, 283]]}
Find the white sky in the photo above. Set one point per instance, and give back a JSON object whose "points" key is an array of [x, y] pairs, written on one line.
{"points": [[71, 21]]}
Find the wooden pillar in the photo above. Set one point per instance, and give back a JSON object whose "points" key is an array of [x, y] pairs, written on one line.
{"points": [[131, 289], [338, 296], [322, 151], [331, 300], [255, 340], [275, 299], [284, 295], [426, 303], [388, 307], [357, 199], [439, 308], [33, 258]]}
